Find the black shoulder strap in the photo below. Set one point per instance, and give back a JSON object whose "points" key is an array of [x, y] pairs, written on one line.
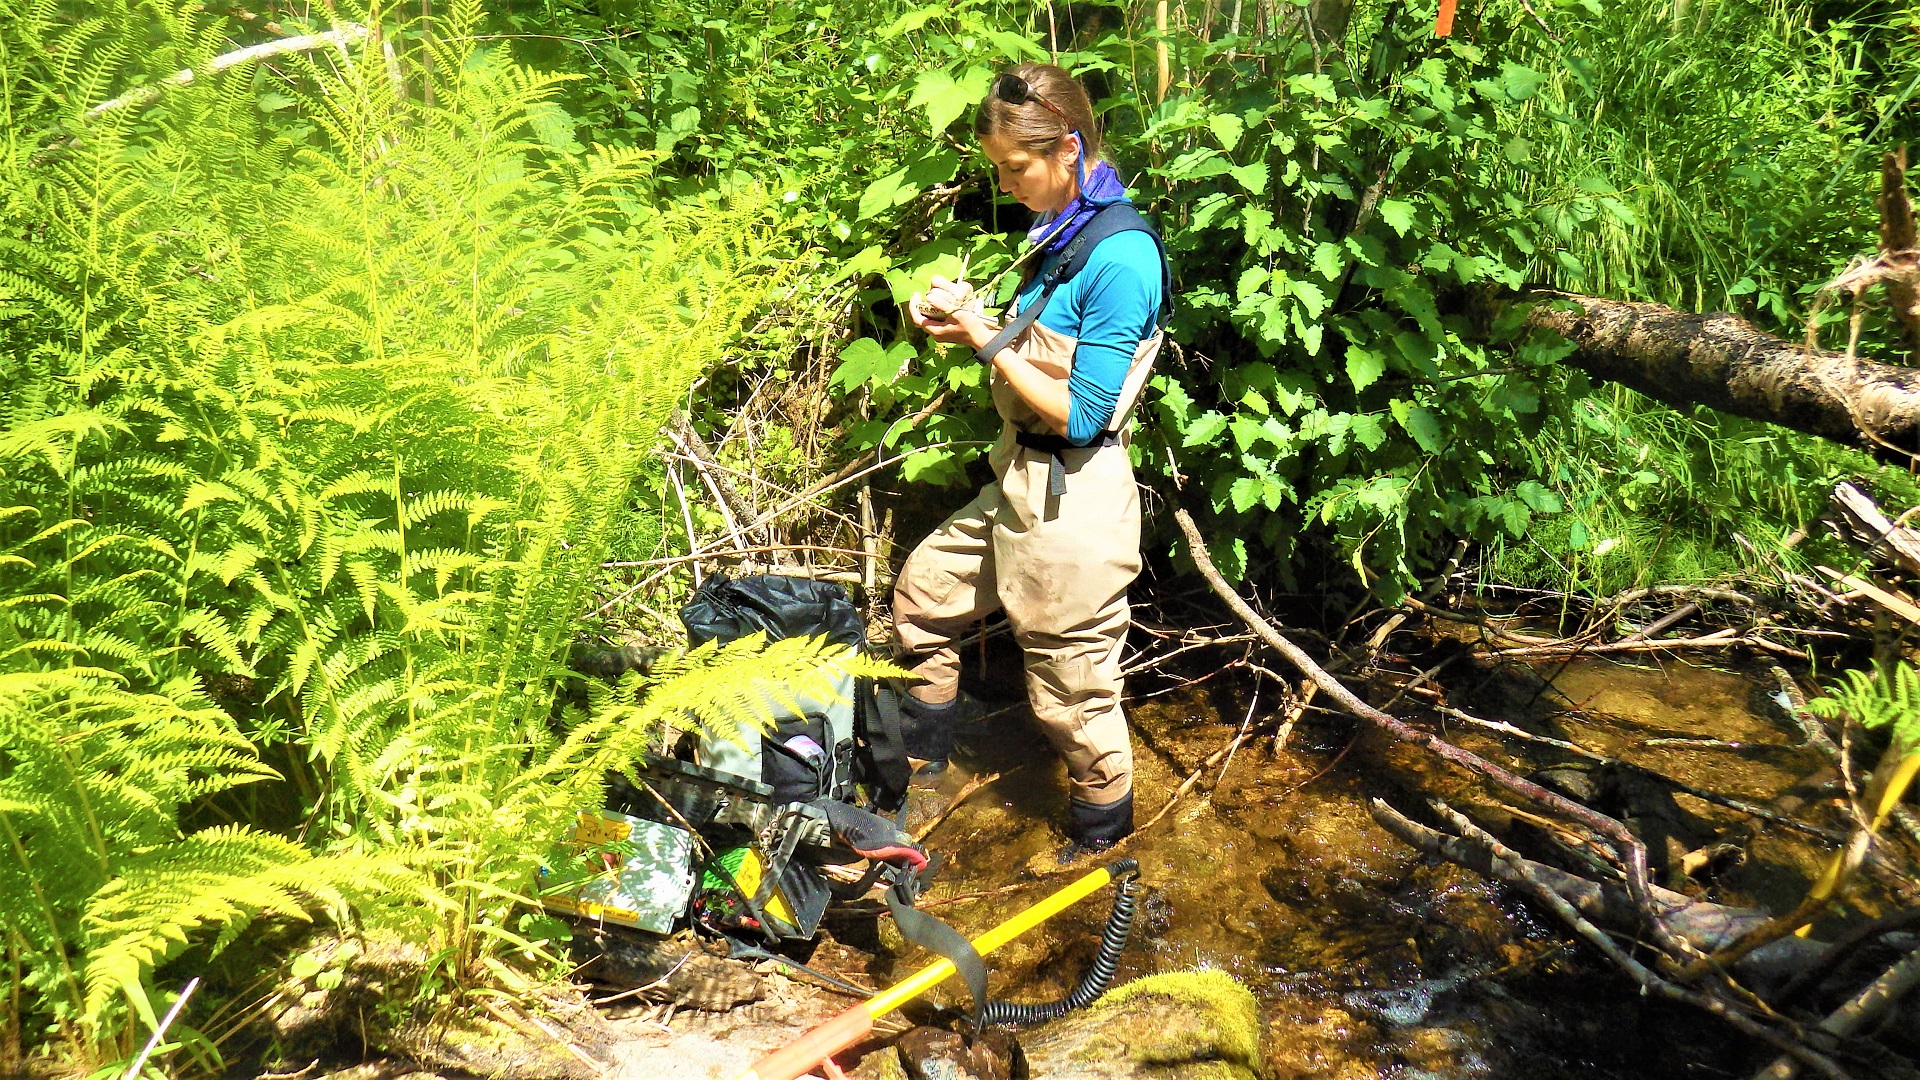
{"points": [[1109, 220], [937, 936], [877, 724], [1112, 219]]}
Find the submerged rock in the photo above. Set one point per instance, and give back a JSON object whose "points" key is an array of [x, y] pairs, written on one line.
{"points": [[1189, 1025], [928, 1053]]}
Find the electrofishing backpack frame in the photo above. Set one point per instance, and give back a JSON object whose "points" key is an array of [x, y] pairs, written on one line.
{"points": [[744, 837], [737, 839], [834, 748]]}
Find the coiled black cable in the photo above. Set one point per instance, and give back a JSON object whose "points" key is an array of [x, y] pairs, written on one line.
{"points": [[1126, 877]]}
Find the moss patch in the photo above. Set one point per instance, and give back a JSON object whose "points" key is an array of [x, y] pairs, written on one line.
{"points": [[1231, 1027]]}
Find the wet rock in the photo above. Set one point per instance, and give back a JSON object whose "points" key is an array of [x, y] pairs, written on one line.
{"points": [[1443, 1051], [882, 1064], [929, 1053], [344, 998], [1178, 1026], [1311, 1037], [1573, 781]]}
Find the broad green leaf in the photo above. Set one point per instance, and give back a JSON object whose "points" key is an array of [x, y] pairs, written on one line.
{"points": [[1538, 497], [1252, 177], [1247, 493], [925, 466], [683, 124], [1210, 208], [911, 21], [1316, 86], [864, 361], [1206, 430], [1260, 232], [1247, 433], [1364, 367], [1230, 557], [1014, 47], [1250, 281], [1423, 424], [1197, 164], [885, 193], [1311, 296], [1519, 82], [1397, 214], [870, 260], [1368, 431], [1227, 128], [943, 98], [1515, 516], [1329, 261]]}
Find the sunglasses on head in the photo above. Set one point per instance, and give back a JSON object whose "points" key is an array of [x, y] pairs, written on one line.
{"points": [[1015, 90]]}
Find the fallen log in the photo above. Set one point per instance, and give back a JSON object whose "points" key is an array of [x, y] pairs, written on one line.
{"points": [[1724, 362], [1861, 522]]}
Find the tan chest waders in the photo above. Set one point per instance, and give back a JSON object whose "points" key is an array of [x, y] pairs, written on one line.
{"points": [[1054, 541]]}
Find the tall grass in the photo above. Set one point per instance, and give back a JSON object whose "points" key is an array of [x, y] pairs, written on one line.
{"points": [[1718, 155]]}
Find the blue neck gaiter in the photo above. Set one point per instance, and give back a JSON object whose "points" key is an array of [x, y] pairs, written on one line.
{"points": [[1100, 186]]}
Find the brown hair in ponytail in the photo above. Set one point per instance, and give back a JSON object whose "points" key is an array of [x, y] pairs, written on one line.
{"points": [[1030, 125]]}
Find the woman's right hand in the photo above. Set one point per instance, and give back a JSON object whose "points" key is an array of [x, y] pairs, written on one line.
{"points": [[942, 299]]}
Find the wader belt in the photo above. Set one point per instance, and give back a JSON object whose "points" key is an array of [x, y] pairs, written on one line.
{"points": [[1057, 446]]}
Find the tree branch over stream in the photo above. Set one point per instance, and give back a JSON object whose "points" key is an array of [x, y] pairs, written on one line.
{"points": [[1632, 853]]}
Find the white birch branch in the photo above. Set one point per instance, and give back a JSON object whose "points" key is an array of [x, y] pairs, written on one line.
{"points": [[350, 34]]}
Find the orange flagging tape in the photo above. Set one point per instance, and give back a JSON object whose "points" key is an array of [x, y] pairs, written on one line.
{"points": [[1443, 25]]}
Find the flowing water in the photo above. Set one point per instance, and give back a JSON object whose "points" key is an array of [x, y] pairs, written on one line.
{"points": [[1368, 960]]}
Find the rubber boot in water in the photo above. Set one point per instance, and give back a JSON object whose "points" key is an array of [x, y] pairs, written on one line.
{"points": [[927, 730], [1095, 827]]}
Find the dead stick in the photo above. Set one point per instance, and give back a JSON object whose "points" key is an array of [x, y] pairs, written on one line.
{"points": [[963, 795], [1507, 866], [1869, 1003], [1646, 632]]}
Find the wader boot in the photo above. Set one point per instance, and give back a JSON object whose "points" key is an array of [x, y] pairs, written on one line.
{"points": [[927, 730], [1093, 828]]}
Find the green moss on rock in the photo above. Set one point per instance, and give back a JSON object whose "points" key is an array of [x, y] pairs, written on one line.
{"points": [[1194, 1025]]}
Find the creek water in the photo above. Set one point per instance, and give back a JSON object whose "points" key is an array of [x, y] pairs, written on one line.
{"points": [[1368, 960]]}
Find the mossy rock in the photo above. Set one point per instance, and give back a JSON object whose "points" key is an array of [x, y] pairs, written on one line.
{"points": [[1186, 1025]]}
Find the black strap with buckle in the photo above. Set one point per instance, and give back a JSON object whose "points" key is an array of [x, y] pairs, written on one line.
{"points": [[1056, 446]]}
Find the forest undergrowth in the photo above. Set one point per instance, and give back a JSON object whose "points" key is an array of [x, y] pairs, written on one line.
{"points": [[331, 384]]}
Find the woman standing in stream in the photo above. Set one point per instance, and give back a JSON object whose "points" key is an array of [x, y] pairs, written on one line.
{"points": [[1054, 540]]}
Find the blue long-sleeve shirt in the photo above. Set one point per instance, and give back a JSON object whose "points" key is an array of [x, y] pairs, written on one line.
{"points": [[1109, 307]]}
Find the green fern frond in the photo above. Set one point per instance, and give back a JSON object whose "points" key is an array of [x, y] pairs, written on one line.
{"points": [[1888, 697]]}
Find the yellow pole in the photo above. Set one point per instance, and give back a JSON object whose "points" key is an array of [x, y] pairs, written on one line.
{"points": [[851, 1026], [936, 973]]}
